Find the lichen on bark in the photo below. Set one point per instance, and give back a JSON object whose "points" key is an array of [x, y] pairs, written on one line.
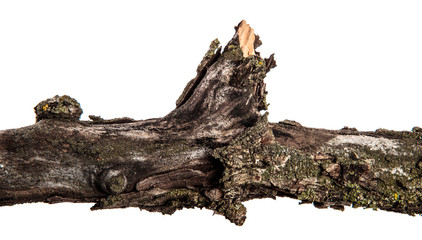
{"points": [[61, 107], [215, 150]]}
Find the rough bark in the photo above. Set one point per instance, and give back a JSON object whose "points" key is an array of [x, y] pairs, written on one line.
{"points": [[214, 150]]}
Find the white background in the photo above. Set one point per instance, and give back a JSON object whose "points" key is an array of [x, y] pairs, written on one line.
{"points": [[340, 63]]}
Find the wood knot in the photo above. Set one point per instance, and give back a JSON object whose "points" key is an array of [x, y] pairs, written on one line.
{"points": [[113, 181], [214, 194], [58, 107]]}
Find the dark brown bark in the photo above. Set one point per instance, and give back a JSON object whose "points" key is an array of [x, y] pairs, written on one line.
{"points": [[214, 150]]}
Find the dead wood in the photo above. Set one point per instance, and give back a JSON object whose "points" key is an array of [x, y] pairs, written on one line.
{"points": [[214, 150]]}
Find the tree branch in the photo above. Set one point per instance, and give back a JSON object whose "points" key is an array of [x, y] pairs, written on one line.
{"points": [[214, 150]]}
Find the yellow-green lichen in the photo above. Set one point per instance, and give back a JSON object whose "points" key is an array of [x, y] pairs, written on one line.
{"points": [[210, 54], [380, 178], [416, 133], [233, 210], [357, 175], [233, 53], [250, 161], [116, 184], [111, 200], [180, 198], [308, 195], [58, 107], [213, 47]]}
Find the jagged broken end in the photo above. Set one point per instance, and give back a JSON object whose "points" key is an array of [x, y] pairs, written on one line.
{"points": [[246, 39], [246, 80], [221, 104], [240, 50]]}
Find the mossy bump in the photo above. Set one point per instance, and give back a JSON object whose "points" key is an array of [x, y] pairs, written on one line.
{"points": [[58, 107]]}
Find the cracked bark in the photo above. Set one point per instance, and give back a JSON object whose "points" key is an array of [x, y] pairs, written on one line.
{"points": [[214, 150]]}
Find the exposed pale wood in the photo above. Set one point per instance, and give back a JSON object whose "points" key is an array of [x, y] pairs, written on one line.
{"points": [[214, 150], [246, 39]]}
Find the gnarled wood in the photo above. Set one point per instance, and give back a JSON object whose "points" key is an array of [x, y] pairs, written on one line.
{"points": [[214, 150]]}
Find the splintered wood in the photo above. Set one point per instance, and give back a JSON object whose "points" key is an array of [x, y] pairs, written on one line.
{"points": [[246, 39]]}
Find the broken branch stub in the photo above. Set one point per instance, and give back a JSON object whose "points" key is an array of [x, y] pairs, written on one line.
{"points": [[214, 150]]}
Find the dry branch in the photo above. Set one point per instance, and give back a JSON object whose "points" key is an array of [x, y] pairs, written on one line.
{"points": [[214, 150]]}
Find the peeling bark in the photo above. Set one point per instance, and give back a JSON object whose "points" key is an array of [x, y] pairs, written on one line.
{"points": [[214, 150]]}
